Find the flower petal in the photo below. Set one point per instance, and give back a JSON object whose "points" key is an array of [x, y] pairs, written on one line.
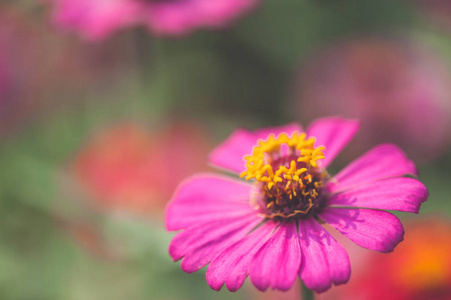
{"points": [[324, 261], [200, 244], [372, 229], [383, 161], [333, 133], [277, 263], [229, 155], [231, 266], [403, 194], [205, 198]]}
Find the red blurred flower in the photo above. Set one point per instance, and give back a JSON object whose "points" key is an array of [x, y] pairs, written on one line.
{"points": [[419, 269], [401, 94], [126, 168]]}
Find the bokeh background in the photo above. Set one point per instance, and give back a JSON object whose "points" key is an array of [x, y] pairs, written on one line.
{"points": [[96, 133]]}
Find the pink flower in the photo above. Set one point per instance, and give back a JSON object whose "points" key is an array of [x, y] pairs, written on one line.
{"points": [[270, 228], [399, 90], [98, 19], [95, 19]]}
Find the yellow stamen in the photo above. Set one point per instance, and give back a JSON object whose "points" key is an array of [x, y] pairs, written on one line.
{"points": [[270, 185], [287, 168], [258, 164]]}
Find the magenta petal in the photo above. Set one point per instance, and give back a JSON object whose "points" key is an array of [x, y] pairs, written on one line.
{"points": [[229, 155], [277, 263], [201, 244], [231, 266], [403, 194], [372, 229], [324, 261], [383, 161], [334, 134], [206, 197]]}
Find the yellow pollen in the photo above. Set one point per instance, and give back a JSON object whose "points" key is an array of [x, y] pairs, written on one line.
{"points": [[258, 164], [288, 170]]}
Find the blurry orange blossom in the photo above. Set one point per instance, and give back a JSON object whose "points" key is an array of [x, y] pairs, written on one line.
{"points": [[419, 268]]}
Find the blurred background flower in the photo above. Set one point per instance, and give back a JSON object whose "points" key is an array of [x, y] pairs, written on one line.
{"points": [[99, 19], [128, 168], [418, 269], [400, 91], [95, 136], [41, 72]]}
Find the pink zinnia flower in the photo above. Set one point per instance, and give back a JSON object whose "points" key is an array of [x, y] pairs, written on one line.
{"points": [[399, 90], [98, 19], [271, 228]]}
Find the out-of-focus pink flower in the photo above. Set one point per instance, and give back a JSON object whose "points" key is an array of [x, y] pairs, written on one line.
{"points": [[419, 269], [95, 19], [127, 168], [37, 67], [98, 19], [272, 227], [176, 17], [401, 94]]}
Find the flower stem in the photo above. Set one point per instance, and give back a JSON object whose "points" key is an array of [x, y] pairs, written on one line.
{"points": [[307, 294]]}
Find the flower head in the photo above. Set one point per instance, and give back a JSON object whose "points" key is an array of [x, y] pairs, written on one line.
{"points": [[98, 19], [289, 181], [269, 225]]}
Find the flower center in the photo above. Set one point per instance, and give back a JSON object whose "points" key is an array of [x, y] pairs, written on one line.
{"points": [[288, 179]]}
